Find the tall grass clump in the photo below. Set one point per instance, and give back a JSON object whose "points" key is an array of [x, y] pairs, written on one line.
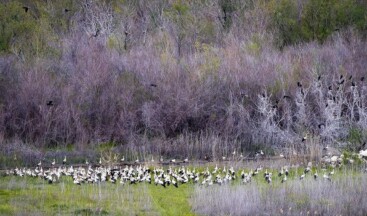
{"points": [[343, 196]]}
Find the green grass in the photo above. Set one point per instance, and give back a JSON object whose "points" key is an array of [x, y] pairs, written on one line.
{"points": [[28, 196], [171, 200], [33, 196]]}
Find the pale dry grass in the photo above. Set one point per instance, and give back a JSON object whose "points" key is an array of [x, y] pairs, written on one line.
{"points": [[345, 195]]}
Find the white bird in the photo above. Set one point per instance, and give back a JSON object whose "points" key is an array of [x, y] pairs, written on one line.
{"points": [[215, 169], [152, 160], [39, 164], [304, 138], [363, 153], [260, 153], [174, 183], [186, 160], [161, 160], [302, 176], [332, 172], [326, 177], [308, 169], [64, 161], [122, 159], [100, 161], [137, 160], [76, 181], [53, 162], [173, 160]]}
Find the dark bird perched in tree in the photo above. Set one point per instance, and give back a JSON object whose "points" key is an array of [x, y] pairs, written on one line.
{"points": [[350, 77], [326, 105], [97, 33], [299, 84], [153, 85], [302, 92], [341, 82], [362, 79], [263, 95], [341, 76], [275, 106], [321, 125], [25, 9], [66, 10], [319, 77], [362, 147], [287, 97], [330, 88], [353, 84], [50, 103]]}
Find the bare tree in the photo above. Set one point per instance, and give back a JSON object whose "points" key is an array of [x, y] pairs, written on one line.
{"points": [[98, 18]]}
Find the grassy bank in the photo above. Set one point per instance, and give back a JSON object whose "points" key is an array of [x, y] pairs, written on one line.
{"points": [[28, 196], [33, 196]]}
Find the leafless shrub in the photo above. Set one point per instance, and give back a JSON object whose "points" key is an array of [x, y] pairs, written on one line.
{"points": [[97, 18], [202, 99]]}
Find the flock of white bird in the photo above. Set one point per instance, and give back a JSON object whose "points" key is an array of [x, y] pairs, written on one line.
{"points": [[139, 173]]}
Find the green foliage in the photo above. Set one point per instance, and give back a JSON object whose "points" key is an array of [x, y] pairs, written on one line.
{"points": [[355, 135], [32, 30], [180, 16], [316, 19], [15, 23], [355, 138], [211, 62], [285, 20]]}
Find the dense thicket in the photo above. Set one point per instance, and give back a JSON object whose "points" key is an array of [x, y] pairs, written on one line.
{"points": [[202, 77]]}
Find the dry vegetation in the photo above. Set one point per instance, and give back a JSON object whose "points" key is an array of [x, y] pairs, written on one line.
{"points": [[211, 79], [344, 196], [181, 78]]}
